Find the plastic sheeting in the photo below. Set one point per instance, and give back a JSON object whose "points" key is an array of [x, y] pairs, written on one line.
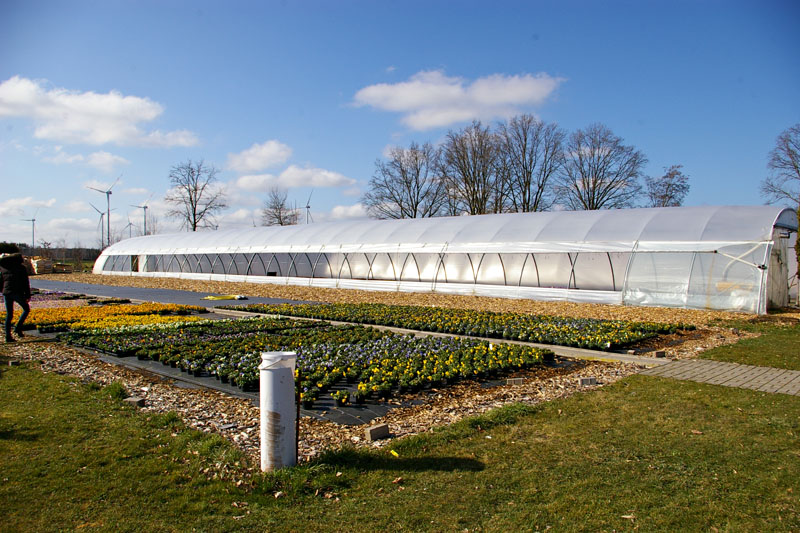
{"points": [[699, 257]]}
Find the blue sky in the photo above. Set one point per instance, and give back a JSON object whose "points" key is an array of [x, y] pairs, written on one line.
{"points": [[307, 94]]}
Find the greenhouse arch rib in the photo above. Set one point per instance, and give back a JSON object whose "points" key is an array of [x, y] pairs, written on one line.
{"points": [[705, 257]]}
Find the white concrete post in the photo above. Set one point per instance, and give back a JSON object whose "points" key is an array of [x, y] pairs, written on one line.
{"points": [[278, 410]]}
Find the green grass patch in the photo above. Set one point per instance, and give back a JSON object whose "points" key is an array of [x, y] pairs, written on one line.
{"points": [[74, 457], [647, 453], [116, 390], [778, 345]]}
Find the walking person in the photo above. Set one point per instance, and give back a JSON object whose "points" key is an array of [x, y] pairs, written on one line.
{"points": [[16, 287]]}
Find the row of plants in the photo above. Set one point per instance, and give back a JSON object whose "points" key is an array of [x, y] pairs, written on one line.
{"points": [[49, 296], [162, 342], [63, 318], [379, 363], [563, 331], [405, 363]]}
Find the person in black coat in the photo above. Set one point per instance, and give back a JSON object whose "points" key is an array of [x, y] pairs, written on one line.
{"points": [[16, 287]]}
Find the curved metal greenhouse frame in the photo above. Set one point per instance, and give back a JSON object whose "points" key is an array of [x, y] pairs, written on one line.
{"points": [[696, 257]]}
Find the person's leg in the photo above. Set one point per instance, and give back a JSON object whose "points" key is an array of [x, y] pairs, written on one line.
{"points": [[9, 316], [26, 309]]}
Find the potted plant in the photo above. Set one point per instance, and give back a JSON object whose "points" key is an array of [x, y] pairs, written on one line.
{"points": [[307, 398], [341, 397]]}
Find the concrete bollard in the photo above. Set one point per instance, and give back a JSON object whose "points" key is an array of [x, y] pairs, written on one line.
{"points": [[278, 410]]}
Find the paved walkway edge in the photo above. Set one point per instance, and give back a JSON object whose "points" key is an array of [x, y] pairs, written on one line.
{"points": [[760, 378]]}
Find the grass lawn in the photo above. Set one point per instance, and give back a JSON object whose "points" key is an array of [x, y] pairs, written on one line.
{"points": [[777, 346], [647, 453]]}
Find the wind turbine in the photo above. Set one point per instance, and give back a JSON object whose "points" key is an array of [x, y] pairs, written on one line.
{"points": [[100, 225], [308, 207], [33, 230], [108, 208], [129, 227], [144, 206]]}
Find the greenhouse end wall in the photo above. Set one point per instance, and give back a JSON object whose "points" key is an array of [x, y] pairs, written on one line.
{"points": [[627, 257]]}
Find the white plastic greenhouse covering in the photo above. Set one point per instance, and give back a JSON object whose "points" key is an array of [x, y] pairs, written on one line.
{"points": [[696, 257]]}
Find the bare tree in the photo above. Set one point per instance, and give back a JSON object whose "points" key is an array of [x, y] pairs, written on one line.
{"points": [[276, 212], [469, 165], [407, 184], [783, 183], [668, 190], [46, 249], [599, 172], [195, 194], [531, 152], [153, 223]]}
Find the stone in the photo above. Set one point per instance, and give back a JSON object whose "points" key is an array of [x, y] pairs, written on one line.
{"points": [[135, 401], [584, 382], [631, 352], [377, 432], [660, 353], [515, 381]]}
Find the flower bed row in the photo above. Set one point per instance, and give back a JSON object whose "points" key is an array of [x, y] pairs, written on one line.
{"points": [[378, 362], [563, 331], [406, 363], [61, 319], [161, 341]]}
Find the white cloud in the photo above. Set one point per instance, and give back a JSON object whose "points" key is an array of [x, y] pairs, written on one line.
{"points": [[241, 217], [86, 117], [55, 225], [387, 151], [295, 176], [16, 206], [136, 190], [105, 162], [256, 182], [102, 185], [63, 158], [102, 161], [76, 206], [344, 212], [430, 99], [259, 157], [352, 192]]}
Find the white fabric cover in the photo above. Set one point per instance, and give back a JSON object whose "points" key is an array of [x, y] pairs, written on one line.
{"points": [[705, 257]]}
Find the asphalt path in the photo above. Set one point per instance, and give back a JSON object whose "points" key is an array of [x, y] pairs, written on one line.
{"points": [[166, 296]]}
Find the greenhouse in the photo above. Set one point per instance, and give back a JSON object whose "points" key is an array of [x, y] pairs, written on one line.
{"points": [[711, 257]]}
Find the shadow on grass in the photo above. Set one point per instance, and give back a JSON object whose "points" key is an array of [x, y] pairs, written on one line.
{"points": [[22, 436], [365, 460]]}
